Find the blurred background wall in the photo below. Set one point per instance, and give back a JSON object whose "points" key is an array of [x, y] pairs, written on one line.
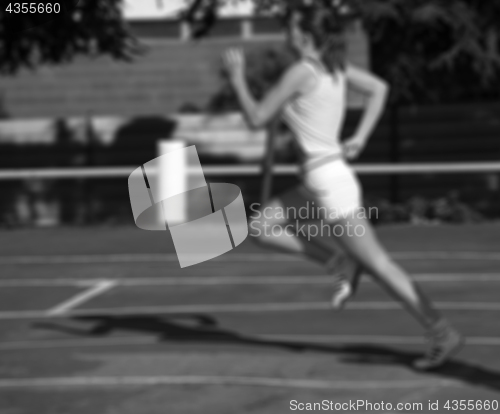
{"points": [[172, 75], [101, 112]]}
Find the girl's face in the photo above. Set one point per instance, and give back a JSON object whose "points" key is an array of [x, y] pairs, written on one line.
{"points": [[295, 36]]}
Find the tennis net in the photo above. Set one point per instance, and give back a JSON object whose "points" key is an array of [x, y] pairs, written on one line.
{"points": [[402, 192]]}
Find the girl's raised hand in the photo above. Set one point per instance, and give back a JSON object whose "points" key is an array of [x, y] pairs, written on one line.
{"points": [[234, 62]]}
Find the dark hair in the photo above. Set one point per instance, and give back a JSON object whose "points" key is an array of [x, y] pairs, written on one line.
{"points": [[326, 24]]}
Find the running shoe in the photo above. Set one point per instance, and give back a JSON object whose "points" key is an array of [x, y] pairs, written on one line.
{"points": [[343, 272], [443, 344], [342, 291]]}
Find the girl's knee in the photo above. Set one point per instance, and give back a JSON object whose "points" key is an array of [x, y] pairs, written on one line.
{"points": [[255, 228], [257, 238], [380, 266], [257, 231], [263, 227]]}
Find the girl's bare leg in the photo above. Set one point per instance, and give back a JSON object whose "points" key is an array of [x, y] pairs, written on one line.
{"points": [[359, 240], [274, 230], [275, 227]]}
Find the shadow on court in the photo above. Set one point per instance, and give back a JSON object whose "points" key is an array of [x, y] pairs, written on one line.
{"points": [[178, 328], [205, 329]]}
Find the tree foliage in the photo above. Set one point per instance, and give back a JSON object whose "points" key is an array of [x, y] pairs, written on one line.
{"points": [[91, 27], [427, 48], [424, 48]]}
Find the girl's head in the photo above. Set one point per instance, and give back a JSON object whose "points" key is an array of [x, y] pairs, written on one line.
{"points": [[317, 31]]}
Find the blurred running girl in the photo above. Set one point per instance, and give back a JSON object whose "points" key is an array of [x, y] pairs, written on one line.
{"points": [[311, 98]]}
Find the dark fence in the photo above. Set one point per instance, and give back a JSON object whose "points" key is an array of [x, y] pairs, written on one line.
{"points": [[437, 134], [467, 133]]}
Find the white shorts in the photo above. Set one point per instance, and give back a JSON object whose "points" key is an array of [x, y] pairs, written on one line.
{"points": [[335, 187]]}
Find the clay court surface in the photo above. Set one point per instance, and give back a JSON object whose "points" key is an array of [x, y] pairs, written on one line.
{"points": [[103, 321]]}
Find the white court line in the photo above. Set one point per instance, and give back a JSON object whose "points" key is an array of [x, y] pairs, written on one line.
{"points": [[305, 339], [243, 308], [371, 339], [247, 257], [237, 280], [47, 282], [78, 343], [446, 255], [100, 287], [119, 381]]}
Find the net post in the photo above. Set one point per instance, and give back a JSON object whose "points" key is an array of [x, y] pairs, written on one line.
{"points": [[173, 175], [267, 165], [395, 151]]}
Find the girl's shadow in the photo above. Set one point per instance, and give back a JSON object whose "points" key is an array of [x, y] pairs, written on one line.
{"points": [[205, 329]]}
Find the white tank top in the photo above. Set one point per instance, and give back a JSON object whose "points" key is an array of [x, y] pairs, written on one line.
{"points": [[317, 116]]}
